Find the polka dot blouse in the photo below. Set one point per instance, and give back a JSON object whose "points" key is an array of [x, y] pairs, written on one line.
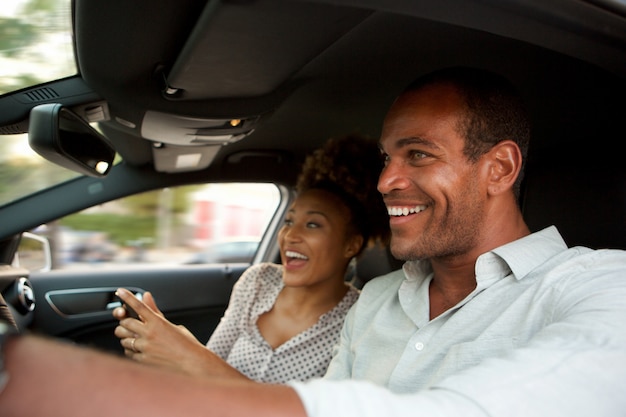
{"points": [[238, 341]]}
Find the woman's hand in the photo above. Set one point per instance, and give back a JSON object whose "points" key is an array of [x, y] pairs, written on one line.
{"points": [[154, 340]]}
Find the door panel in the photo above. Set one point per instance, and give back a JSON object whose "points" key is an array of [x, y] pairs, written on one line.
{"points": [[77, 306], [186, 245]]}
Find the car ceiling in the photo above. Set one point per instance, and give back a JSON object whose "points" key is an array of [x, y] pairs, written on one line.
{"points": [[298, 72]]}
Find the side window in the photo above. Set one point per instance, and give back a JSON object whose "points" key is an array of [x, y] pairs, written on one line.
{"points": [[210, 223]]}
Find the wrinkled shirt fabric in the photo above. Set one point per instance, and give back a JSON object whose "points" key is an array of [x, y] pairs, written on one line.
{"points": [[543, 334]]}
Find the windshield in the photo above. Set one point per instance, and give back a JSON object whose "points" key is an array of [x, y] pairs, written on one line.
{"points": [[35, 43], [22, 171], [35, 47]]}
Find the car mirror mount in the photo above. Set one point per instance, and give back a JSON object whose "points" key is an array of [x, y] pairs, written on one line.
{"points": [[64, 138]]}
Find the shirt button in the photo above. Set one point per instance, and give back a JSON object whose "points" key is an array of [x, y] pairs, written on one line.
{"points": [[419, 346]]}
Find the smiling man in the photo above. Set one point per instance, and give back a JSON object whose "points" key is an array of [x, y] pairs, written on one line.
{"points": [[482, 305]]}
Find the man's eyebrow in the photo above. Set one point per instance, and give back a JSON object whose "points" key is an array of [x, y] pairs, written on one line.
{"points": [[413, 140]]}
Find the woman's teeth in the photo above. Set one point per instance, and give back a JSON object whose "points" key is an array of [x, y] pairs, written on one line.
{"points": [[292, 254]]}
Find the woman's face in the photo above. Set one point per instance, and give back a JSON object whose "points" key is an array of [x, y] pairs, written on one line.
{"points": [[315, 245]]}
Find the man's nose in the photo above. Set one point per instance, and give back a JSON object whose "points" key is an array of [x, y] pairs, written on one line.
{"points": [[392, 177]]}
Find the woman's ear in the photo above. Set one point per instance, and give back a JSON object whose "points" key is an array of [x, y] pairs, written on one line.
{"points": [[505, 162], [353, 246]]}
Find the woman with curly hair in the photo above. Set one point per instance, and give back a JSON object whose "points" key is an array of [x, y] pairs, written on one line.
{"points": [[282, 321]]}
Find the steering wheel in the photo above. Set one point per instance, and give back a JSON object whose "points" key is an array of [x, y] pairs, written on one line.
{"points": [[5, 313]]}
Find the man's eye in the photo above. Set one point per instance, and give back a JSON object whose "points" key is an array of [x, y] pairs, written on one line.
{"points": [[385, 158], [417, 155]]}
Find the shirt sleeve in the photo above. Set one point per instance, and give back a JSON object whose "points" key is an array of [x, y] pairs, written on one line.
{"points": [[229, 328], [565, 392], [352, 398]]}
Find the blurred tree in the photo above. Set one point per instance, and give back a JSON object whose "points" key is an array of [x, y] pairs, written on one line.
{"points": [[15, 35], [25, 40], [149, 203], [146, 217], [44, 6]]}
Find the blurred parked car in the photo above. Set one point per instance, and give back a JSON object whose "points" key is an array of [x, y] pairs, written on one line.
{"points": [[91, 247]]}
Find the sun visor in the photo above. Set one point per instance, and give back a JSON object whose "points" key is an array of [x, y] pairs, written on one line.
{"points": [[192, 131], [221, 61]]}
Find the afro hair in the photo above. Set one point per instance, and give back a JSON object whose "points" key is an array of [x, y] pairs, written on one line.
{"points": [[352, 164]]}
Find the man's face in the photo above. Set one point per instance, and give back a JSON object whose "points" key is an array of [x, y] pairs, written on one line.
{"points": [[433, 193]]}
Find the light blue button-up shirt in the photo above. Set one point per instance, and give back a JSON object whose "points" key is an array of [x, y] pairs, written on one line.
{"points": [[543, 332]]}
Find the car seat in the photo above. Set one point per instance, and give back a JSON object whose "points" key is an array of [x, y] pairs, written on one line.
{"points": [[373, 262], [584, 195]]}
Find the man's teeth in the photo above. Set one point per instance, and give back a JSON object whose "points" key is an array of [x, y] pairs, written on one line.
{"points": [[404, 211], [292, 254]]}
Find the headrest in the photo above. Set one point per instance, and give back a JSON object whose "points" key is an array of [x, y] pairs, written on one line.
{"points": [[583, 197], [373, 262]]}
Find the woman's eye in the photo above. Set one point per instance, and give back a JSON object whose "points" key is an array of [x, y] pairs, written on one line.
{"points": [[288, 222], [312, 225]]}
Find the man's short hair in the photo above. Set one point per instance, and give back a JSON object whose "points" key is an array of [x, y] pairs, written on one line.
{"points": [[495, 110]]}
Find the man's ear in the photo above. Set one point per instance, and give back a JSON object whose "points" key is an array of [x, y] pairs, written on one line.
{"points": [[505, 163]]}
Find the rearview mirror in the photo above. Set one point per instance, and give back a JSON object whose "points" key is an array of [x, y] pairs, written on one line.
{"points": [[64, 138], [33, 253]]}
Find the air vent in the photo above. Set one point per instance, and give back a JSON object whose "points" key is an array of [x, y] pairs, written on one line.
{"points": [[41, 94], [14, 129]]}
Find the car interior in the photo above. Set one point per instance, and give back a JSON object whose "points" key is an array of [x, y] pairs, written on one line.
{"points": [[196, 91]]}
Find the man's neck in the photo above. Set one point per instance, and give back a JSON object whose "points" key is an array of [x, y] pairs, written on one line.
{"points": [[447, 290]]}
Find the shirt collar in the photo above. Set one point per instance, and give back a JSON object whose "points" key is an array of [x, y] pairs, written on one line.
{"points": [[518, 257], [525, 254]]}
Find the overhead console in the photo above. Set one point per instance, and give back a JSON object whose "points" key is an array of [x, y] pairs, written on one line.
{"points": [[221, 61]]}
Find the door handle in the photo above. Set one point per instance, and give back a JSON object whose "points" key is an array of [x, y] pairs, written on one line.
{"points": [[86, 301]]}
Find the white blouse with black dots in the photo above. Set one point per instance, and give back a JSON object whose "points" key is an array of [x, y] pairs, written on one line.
{"points": [[238, 341]]}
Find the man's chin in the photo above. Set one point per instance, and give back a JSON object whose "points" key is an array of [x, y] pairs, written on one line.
{"points": [[403, 250]]}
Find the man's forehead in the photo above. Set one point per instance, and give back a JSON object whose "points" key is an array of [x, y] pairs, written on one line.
{"points": [[401, 142], [423, 106]]}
